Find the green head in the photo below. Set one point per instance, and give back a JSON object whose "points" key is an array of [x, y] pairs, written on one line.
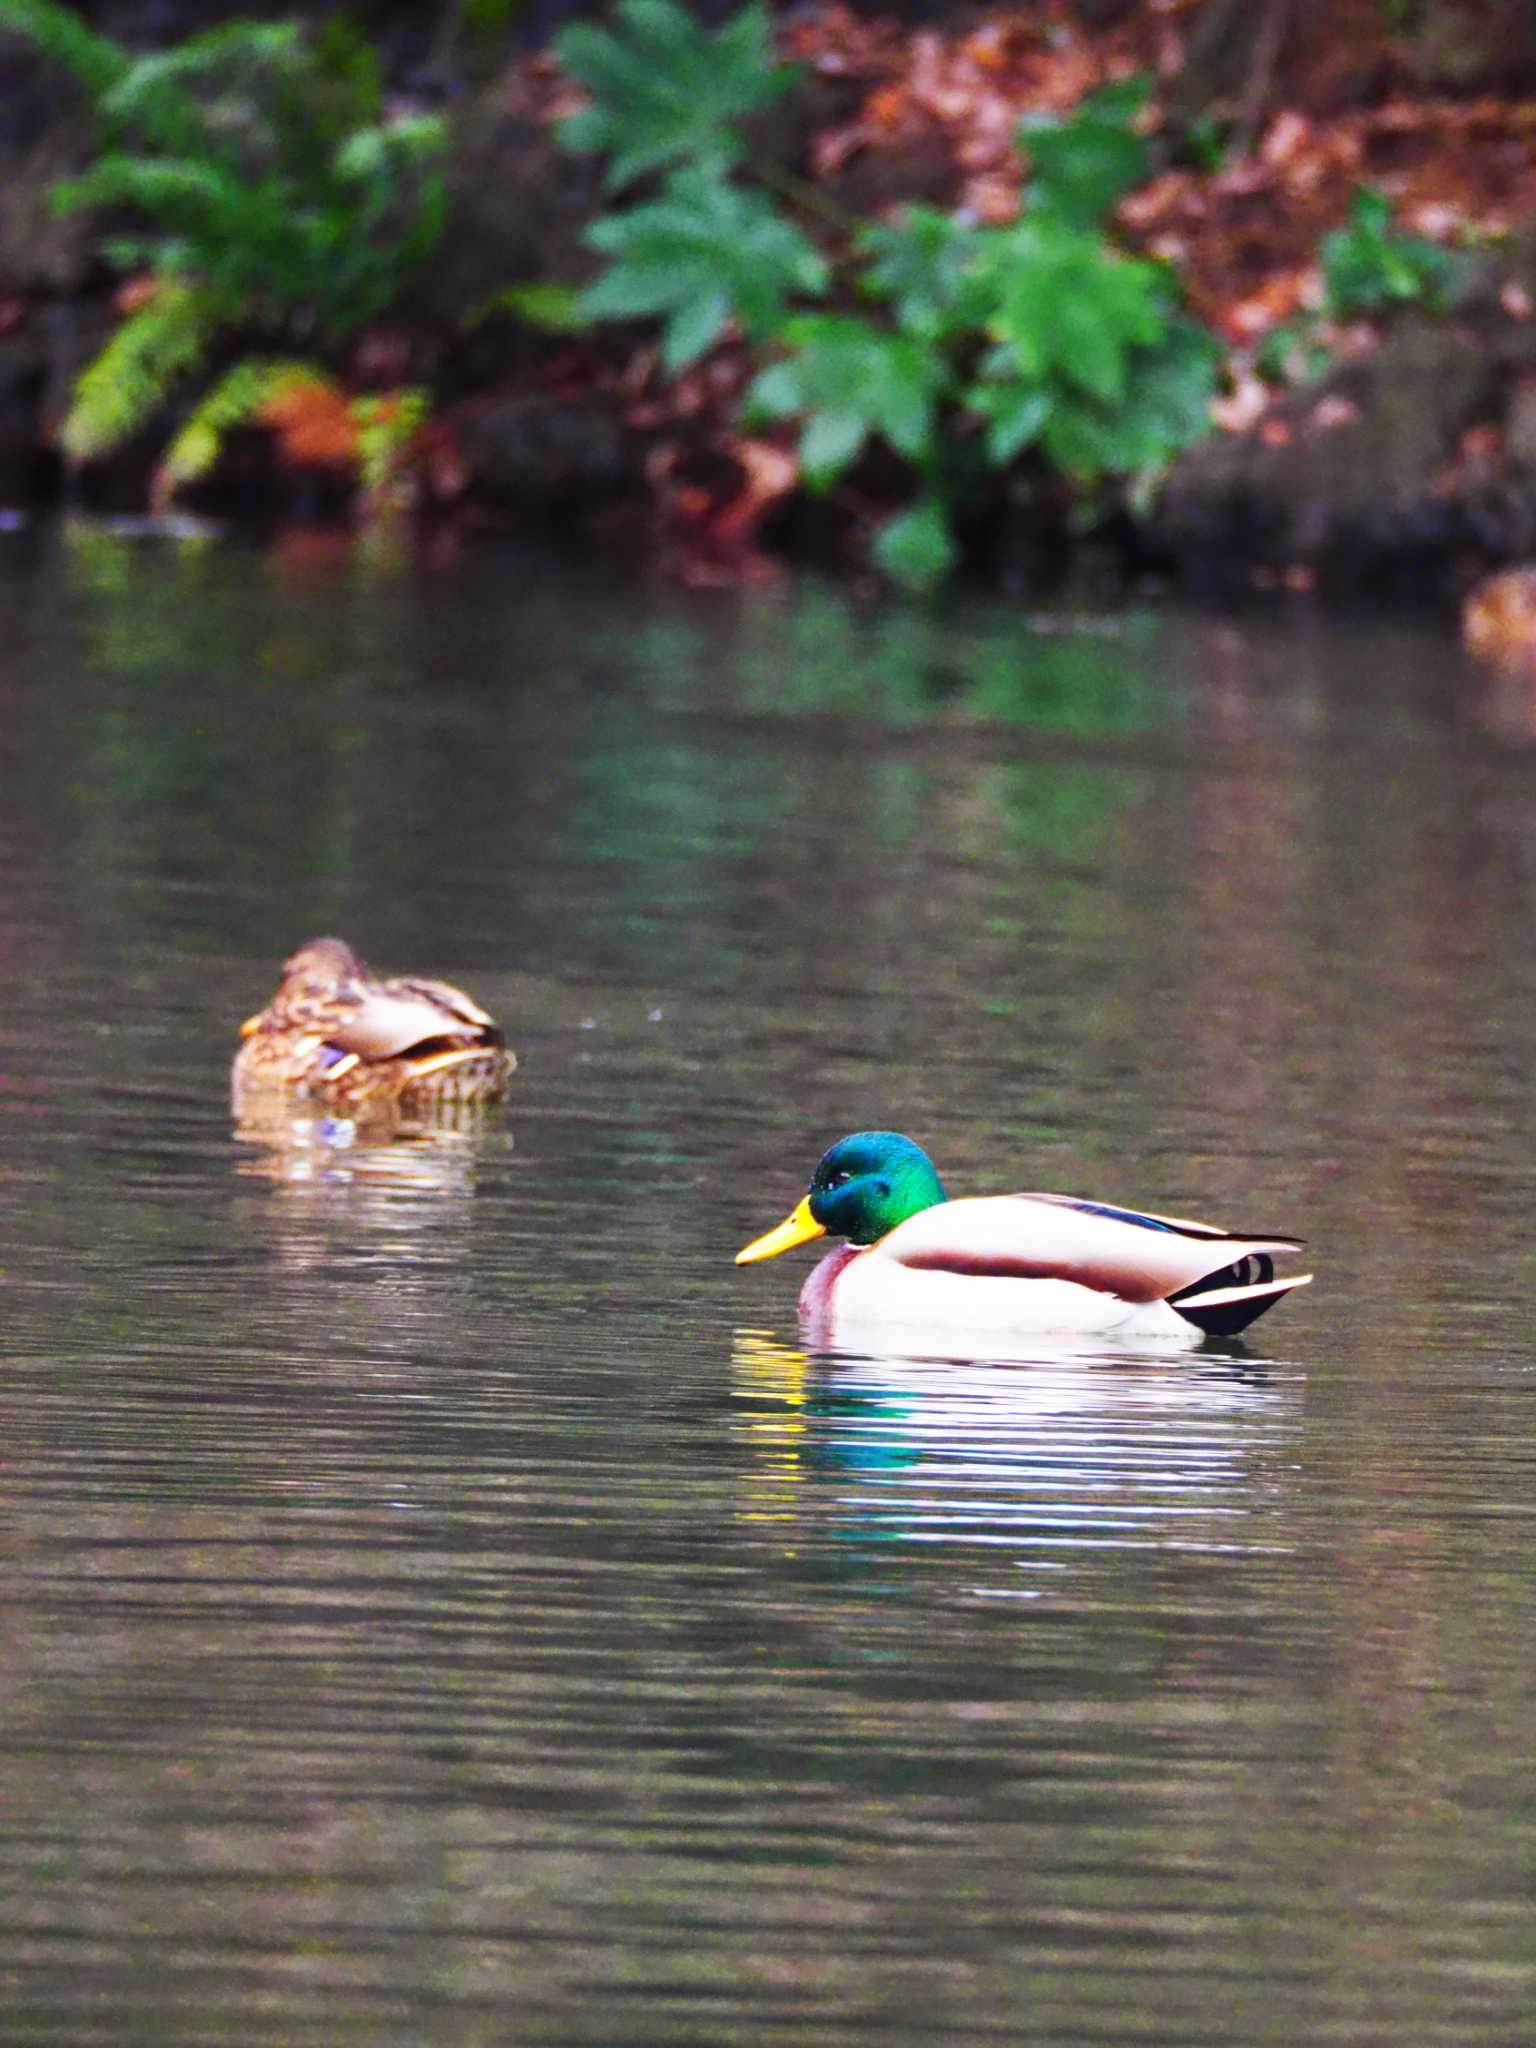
{"points": [[863, 1187], [868, 1183]]}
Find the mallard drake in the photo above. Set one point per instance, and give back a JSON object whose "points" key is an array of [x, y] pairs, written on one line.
{"points": [[998, 1265], [333, 1033]]}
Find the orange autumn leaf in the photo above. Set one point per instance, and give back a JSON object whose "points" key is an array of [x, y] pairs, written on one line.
{"points": [[313, 422], [888, 106]]}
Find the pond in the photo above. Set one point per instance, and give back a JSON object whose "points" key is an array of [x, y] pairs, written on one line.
{"points": [[445, 1603]]}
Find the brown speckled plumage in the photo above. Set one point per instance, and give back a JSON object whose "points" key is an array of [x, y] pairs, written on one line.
{"points": [[335, 1035]]}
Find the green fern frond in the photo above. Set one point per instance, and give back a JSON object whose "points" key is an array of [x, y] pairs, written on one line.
{"points": [[414, 138], [190, 197], [234, 401], [95, 61], [170, 255], [241, 47], [264, 174], [385, 427], [118, 393], [205, 96]]}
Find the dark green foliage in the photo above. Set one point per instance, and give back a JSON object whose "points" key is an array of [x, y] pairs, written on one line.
{"points": [[849, 380], [1001, 339], [1084, 163], [1064, 310], [264, 167], [703, 251], [1166, 404], [1368, 268], [94, 61], [978, 343], [1205, 143], [925, 266], [1290, 352], [471, 40], [1089, 359], [699, 253], [665, 90], [1368, 265], [917, 547], [273, 185]]}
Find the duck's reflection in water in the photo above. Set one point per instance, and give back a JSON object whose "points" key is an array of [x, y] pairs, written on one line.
{"points": [[1078, 1451], [365, 1191], [298, 1150]]}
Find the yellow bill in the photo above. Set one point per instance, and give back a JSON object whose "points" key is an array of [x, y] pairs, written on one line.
{"points": [[795, 1229]]}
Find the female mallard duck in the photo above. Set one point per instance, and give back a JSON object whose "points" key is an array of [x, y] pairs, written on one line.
{"points": [[334, 1034], [1010, 1264]]}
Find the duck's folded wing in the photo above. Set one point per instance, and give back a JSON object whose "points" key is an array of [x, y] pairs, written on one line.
{"points": [[1051, 1237], [400, 1017], [442, 995]]}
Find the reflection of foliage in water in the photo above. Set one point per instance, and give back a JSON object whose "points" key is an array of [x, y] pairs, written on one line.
{"points": [[664, 823], [685, 820], [1055, 805], [675, 830], [905, 666], [208, 735], [329, 726]]}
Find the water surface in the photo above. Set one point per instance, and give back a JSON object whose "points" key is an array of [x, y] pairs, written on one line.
{"points": [[445, 1604]]}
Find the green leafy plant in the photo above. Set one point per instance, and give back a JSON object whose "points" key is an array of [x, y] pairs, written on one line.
{"points": [[542, 303], [387, 423], [1086, 161], [997, 340], [233, 401], [277, 195], [666, 90], [166, 337], [956, 347], [701, 253], [1368, 265], [849, 380]]}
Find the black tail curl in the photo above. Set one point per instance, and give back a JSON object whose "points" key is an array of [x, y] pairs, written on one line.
{"points": [[1241, 1291]]}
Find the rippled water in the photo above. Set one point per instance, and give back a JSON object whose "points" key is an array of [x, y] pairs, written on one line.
{"points": [[445, 1604]]}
